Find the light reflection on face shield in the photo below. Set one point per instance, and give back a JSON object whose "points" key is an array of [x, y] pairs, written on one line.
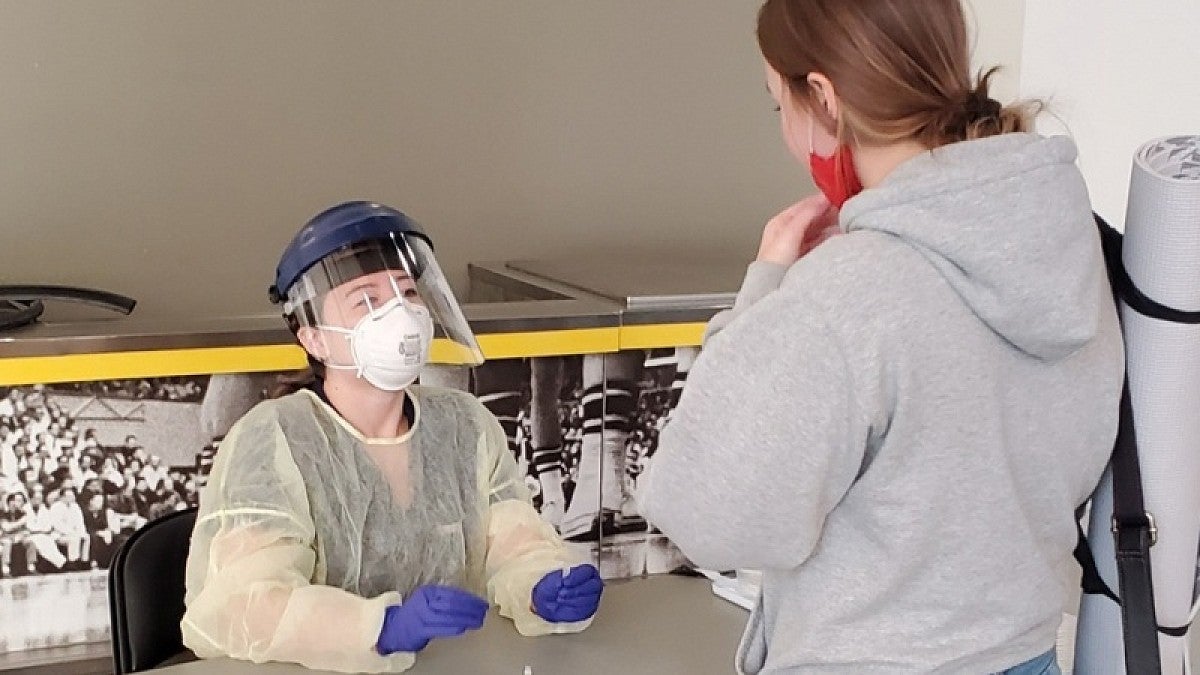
{"points": [[347, 304]]}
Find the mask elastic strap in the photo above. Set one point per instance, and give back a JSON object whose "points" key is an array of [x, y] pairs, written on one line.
{"points": [[349, 335], [371, 315]]}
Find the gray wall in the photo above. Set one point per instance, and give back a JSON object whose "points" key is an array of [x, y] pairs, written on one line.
{"points": [[169, 149]]}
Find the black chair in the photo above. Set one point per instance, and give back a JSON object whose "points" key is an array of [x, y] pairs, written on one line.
{"points": [[145, 593]]}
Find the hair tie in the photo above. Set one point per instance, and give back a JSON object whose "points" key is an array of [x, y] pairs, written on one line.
{"points": [[980, 106]]}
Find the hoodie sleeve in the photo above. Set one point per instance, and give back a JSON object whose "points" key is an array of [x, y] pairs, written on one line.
{"points": [[766, 439], [761, 278]]}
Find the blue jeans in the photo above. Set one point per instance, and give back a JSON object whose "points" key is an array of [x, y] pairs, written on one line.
{"points": [[1046, 664]]}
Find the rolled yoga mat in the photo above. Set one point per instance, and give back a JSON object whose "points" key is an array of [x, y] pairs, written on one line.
{"points": [[1162, 256]]}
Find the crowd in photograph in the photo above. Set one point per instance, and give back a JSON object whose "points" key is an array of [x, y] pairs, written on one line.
{"points": [[174, 389], [68, 500]]}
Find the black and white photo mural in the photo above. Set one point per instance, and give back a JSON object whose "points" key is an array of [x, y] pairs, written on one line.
{"points": [[85, 464]]}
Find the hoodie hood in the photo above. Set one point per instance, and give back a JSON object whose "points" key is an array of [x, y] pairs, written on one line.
{"points": [[1007, 222]]}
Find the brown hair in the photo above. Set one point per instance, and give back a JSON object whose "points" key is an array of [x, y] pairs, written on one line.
{"points": [[292, 382], [901, 69]]}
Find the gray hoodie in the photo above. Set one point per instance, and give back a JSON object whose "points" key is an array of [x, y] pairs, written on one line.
{"points": [[898, 428]]}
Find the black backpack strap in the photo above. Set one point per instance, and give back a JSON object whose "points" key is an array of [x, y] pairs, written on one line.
{"points": [[1134, 533], [1092, 583], [1133, 527], [1123, 288], [1175, 631]]}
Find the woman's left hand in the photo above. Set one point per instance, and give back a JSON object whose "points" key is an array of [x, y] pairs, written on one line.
{"points": [[560, 598], [797, 230]]}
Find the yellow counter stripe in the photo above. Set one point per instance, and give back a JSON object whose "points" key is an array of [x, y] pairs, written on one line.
{"points": [[534, 343], [156, 363], [260, 358], [652, 336]]}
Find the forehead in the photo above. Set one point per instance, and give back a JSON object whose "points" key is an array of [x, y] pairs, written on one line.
{"points": [[375, 280], [376, 287]]}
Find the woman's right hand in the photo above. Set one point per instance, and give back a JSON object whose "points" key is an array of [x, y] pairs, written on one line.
{"points": [[429, 612], [797, 230]]}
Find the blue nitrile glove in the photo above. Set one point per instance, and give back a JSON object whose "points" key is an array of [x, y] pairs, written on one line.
{"points": [[574, 597], [429, 612]]}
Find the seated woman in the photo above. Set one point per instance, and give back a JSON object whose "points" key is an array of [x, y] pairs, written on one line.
{"points": [[347, 524]]}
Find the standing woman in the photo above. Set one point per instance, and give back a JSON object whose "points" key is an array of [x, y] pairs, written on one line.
{"points": [[898, 426]]}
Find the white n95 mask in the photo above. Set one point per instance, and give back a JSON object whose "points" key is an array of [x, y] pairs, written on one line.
{"points": [[390, 345]]}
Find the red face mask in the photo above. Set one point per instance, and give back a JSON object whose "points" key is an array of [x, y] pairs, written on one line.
{"points": [[834, 175]]}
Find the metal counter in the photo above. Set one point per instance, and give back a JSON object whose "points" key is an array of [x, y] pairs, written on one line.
{"points": [[517, 309], [647, 290], [536, 310]]}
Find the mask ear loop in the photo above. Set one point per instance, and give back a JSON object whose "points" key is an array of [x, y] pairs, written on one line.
{"points": [[349, 335], [333, 279]]}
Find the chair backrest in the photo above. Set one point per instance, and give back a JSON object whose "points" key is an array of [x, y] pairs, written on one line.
{"points": [[145, 593]]}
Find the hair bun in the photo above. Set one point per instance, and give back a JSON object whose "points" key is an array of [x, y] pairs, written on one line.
{"points": [[979, 106]]}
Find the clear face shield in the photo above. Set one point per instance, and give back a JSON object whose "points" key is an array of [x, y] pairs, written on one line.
{"points": [[372, 307]]}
